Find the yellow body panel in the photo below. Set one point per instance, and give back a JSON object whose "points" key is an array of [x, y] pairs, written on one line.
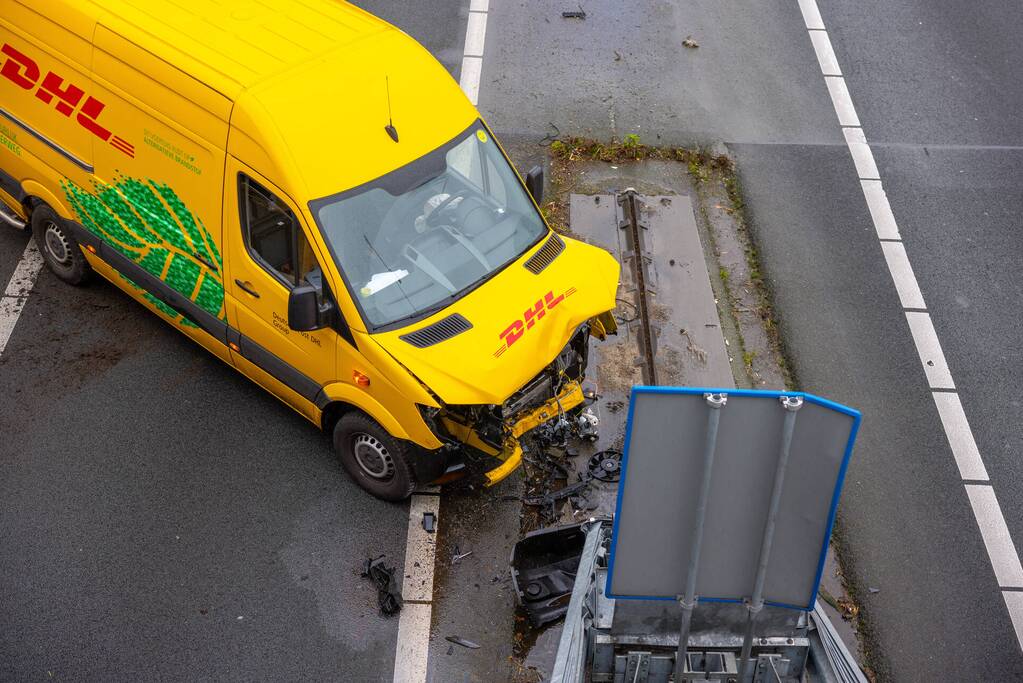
{"points": [[135, 121]]}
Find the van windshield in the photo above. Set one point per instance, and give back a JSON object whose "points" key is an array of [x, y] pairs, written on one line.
{"points": [[415, 240]]}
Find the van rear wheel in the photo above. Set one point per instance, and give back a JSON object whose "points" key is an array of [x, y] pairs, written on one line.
{"points": [[58, 246], [377, 461]]}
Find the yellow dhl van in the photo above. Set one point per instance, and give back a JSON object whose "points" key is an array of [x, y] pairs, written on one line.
{"points": [[304, 191]]}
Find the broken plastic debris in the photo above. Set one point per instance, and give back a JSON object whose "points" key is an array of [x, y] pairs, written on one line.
{"points": [[388, 593], [457, 640], [690, 43]]}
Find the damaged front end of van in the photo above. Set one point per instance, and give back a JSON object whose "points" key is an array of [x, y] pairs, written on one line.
{"points": [[457, 277], [493, 432]]}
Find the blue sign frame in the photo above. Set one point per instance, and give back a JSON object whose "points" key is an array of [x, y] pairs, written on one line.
{"points": [[809, 398]]}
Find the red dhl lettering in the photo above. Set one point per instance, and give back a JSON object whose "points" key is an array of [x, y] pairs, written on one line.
{"points": [[530, 317], [24, 72]]}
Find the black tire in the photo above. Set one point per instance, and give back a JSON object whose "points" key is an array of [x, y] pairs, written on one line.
{"points": [[59, 247], [377, 461]]}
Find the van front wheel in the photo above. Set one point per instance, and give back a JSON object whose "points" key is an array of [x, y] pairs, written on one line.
{"points": [[373, 458], [59, 247]]}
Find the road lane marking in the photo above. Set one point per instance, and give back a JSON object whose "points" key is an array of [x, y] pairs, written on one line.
{"points": [[863, 158], [811, 15], [842, 101], [880, 210], [475, 34], [902, 273], [412, 654], [16, 293], [469, 81], [420, 550], [413, 650], [825, 54], [1000, 548], [929, 350], [960, 436], [1014, 601]]}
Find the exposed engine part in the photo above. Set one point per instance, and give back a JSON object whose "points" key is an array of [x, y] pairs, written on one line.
{"points": [[606, 465], [586, 425]]}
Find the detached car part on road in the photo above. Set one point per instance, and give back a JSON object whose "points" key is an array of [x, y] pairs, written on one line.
{"points": [[335, 221]]}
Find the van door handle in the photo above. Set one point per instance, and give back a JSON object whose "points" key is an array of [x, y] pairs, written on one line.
{"points": [[246, 287]]}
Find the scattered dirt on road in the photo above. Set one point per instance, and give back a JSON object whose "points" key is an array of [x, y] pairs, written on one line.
{"points": [[618, 369]]}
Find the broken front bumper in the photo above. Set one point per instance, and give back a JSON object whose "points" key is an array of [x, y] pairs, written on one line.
{"points": [[570, 397], [509, 457]]}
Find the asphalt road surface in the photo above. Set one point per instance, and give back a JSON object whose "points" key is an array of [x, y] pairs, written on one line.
{"points": [[163, 518], [936, 88], [154, 496]]}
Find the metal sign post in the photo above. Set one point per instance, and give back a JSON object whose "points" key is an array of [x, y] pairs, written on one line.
{"points": [[791, 404], [688, 598]]}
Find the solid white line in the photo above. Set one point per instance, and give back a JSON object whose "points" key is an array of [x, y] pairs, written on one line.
{"points": [[475, 34], [960, 436], [825, 53], [411, 658], [413, 652], [902, 273], [997, 540], [880, 210], [420, 550], [472, 67], [811, 15], [843, 102], [927, 346], [16, 294], [411, 655], [861, 154]]}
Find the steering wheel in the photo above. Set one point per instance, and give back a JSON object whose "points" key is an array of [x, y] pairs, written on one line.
{"points": [[430, 220]]}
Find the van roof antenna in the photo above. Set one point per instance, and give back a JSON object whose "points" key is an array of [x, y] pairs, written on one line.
{"points": [[391, 130]]}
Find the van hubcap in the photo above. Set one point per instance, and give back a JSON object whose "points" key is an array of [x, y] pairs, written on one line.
{"points": [[373, 457], [57, 244]]}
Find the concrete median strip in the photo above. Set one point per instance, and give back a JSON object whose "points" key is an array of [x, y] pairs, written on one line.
{"points": [[16, 294], [1000, 548]]}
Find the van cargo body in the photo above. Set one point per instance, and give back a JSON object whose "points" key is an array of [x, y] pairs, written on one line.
{"points": [[304, 191]]}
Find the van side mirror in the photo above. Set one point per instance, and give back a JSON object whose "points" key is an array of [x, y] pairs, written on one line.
{"points": [[305, 312], [534, 183]]}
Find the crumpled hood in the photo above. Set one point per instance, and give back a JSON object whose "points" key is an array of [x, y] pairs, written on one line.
{"points": [[520, 322]]}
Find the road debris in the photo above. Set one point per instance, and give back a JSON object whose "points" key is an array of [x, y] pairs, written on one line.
{"points": [[690, 43], [606, 465], [574, 14], [543, 568], [459, 557], [429, 522], [458, 640], [388, 590]]}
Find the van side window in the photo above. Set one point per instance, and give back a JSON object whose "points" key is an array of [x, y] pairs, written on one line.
{"points": [[272, 234]]}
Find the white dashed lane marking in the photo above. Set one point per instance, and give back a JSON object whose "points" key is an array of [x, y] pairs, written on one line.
{"points": [[16, 294], [997, 539]]}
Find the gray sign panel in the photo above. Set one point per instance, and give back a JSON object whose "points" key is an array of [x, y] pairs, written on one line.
{"points": [[659, 489]]}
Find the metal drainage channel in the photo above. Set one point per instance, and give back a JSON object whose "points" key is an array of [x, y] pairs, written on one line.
{"points": [[631, 211]]}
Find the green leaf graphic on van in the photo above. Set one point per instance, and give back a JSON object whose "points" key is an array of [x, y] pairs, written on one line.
{"points": [[147, 222]]}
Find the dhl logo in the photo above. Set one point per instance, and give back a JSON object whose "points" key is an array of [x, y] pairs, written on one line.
{"points": [[530, 317], [24, 72]]}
